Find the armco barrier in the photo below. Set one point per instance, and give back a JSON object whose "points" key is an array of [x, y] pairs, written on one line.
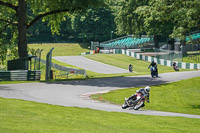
{"points": [[164, 62], [20, 75], [67, 69]]}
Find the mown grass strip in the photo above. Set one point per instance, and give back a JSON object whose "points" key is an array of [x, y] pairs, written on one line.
{"points": [[19, 116], [61, 49]]}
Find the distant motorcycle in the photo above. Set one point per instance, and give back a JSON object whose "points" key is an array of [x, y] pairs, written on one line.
{"points": [[130, 68], [135, 103], [154, 71], [175, 67]]}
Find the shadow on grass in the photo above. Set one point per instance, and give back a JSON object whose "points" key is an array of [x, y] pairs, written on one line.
{"points": [[195, 106], [85, 45]]}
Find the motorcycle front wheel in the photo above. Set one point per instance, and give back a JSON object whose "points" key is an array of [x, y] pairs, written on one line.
{"points": [[124, 106], [152, 74]]}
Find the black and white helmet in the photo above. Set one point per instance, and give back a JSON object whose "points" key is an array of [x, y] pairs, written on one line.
{"points": [[147, 89]]}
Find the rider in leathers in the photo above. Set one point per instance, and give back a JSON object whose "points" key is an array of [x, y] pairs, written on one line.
{"points": [[144, 92], [153, 64]]}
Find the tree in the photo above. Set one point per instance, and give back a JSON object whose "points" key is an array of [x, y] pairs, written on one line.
{"points": [[14, 13], [156, 21], [170, 18], [127, 21], [95, 25], [41, 33], [137, 17], [174, 18]]}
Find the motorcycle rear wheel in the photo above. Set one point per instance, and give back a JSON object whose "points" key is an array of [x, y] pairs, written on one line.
{"points": [[156, 74], [139, 105]]}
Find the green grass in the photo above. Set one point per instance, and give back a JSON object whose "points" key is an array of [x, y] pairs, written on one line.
{"points": [[187, 58], [182, 96], [16, 82], [60, 49], [192, 60], [18, 116]]}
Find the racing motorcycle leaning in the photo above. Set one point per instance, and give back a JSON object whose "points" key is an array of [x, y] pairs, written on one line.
{"points": [[136, 103], [175, 66]]}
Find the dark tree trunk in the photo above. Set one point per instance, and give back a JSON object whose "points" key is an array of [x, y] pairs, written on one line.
{"points": [[156, 41], [183, 47], [171, 43], [22, 29]]}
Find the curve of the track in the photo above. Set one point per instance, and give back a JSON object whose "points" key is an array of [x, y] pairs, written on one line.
{"points": [[76, 93], [92, 65]]}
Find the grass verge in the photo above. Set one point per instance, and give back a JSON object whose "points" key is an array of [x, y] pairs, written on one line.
{"points": [[60, 49], [19, 116], [181, 97], [16, 82]]}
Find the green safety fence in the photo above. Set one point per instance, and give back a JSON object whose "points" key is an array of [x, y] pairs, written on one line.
{"points": [[160, 61]]}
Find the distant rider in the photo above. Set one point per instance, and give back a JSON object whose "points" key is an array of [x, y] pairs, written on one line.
{"points": [[175, 66], [144, 92], [153, 64], [130, 67]]}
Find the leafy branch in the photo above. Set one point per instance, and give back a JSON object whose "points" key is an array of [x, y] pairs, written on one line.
{"points": [[49, 13], [8, 5]]}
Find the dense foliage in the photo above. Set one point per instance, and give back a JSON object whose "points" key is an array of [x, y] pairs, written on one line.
{"points": [[20, 15], [79, 27], [96, 20], [159, 17]]}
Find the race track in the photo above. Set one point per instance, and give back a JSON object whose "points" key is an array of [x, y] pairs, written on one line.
{"points": [[87, 64], [76, 93]]}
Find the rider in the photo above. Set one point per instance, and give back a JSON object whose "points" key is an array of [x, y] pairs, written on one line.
{"points": [[144, 92], [153, 64], [130, 67], [175, 66]]}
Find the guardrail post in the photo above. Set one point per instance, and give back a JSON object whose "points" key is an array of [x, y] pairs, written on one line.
{"points": [[48, 64]]}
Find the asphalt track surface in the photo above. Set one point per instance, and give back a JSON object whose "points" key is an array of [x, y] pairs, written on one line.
{"points": [[76, 93], [87, 64]]}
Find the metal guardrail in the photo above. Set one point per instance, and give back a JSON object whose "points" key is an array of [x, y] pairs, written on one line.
{"points": [[20, 75], [67, 69]]}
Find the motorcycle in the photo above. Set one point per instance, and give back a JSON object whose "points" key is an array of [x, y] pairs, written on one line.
{"points": [[154, 72], [136, 104], [175, 66], [130, 69]]}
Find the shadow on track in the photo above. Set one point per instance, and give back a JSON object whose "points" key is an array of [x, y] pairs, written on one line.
{"points": [[5, 88], [115, 82]]}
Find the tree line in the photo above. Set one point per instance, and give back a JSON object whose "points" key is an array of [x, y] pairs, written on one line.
{"points": [[25, 21], [95, 24]]}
